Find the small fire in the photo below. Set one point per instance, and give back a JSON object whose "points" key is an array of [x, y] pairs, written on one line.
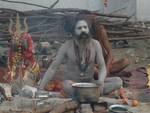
{"points": [[55, 85]]}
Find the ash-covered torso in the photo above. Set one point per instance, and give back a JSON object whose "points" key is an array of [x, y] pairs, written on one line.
{"points": [[78, 61]]}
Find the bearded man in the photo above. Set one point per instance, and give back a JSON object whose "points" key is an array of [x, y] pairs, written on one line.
{"points": [[80, 54]]}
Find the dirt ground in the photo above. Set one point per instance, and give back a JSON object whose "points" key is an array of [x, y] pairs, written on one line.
{"points": [[138, 53]]}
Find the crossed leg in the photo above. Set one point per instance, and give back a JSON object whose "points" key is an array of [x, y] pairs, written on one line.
{"points": [[110, 84]]}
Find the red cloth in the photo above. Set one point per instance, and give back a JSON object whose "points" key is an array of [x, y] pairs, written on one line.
{"points": [[26, 53]]}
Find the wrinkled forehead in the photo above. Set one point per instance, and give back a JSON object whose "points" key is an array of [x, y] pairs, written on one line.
{"points": [[81, 23]]}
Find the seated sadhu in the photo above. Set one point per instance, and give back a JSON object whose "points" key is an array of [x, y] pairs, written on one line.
{"points": [[78, 56], [112, 65]]}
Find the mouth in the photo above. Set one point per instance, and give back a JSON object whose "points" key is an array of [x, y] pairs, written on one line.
{"points": [[84, 36]]}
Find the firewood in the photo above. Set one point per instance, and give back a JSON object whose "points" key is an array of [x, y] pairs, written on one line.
{"points": [[66, 106]]}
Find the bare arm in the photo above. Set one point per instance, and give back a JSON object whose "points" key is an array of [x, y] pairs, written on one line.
{"points": [[54, 66], [102, 37], [101, 63]]}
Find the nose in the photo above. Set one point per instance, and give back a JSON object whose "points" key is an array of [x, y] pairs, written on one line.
{"points": [[83, 29]]}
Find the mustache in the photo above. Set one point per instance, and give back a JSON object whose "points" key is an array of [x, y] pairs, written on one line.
{"points": [[84, 35]]}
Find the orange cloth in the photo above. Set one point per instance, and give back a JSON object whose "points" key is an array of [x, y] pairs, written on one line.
{"points": [[148, 72]]}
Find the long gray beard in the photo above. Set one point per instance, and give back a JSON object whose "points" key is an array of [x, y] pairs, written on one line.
{"points": [[83, 36], [84, 41]]}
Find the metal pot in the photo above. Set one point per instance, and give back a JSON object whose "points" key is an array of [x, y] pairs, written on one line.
{"points": [[116, 108], [86, 92]]}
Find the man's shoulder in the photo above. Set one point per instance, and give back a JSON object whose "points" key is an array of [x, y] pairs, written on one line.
{"points": [[68, 43], [94, 41]]}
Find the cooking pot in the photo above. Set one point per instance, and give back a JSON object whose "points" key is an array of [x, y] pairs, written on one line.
{"points": [[86, 92]]}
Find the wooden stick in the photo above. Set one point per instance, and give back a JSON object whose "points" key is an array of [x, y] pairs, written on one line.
{"points": [[67, 106], [130, 38], [24, 3]]}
